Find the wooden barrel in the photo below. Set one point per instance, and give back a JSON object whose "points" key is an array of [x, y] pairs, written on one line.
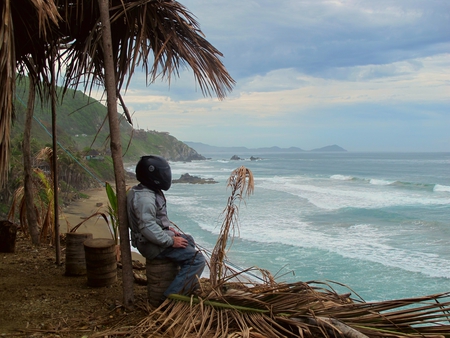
{"points": [[101, 262], [160, 274], [75, 258], [8, 234]]}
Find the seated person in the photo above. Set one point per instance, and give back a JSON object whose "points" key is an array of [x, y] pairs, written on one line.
{"points": [[151, 231]]}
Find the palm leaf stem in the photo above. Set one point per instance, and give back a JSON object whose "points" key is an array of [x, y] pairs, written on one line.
{"points": [[216, 304]]}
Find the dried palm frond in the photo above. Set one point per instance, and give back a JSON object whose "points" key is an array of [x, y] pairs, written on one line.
{"points": [[301, 309], [242, 185], [35, 41], [160, 36], [42, 205], [42, 202], [27, 27], [18, 206]]}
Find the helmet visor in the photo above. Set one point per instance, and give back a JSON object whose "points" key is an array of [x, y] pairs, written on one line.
{"points": [[166, 178]]}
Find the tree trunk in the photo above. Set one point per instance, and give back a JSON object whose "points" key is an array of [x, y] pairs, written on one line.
{"points": [[28, 181], [116, 152], [7, 85], [54, 163]]}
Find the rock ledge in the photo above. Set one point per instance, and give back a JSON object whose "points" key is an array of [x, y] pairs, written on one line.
{"points": [[186, 178]]}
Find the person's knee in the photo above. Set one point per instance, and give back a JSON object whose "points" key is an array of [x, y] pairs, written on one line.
{"points": [[190, 239], [200, 259]]}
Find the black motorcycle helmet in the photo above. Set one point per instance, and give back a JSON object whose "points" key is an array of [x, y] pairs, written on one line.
{"points": [[154, 172]]}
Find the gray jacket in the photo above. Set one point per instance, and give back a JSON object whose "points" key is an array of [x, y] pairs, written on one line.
{"points": [[147, 219]]}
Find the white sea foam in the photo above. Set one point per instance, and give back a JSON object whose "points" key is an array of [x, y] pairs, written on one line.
{"points": [[360, 242], [444, 188], [366, 248], [183, 200], [375, 181], [333, 196], [197, 166], [342, 177]]}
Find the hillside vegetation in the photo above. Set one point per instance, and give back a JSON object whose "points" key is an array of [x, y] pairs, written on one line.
{"points": [[82, 124], [83, 137]]}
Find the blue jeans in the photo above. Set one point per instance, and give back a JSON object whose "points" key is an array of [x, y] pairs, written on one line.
{"points": [[191, 262]]}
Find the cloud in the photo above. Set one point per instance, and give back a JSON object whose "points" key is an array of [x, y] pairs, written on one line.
{"points": [[313, 36], [362, 74]]}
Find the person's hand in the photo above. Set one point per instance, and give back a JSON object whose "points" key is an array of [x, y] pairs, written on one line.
{"points": [[175, 231], [179, 242]]}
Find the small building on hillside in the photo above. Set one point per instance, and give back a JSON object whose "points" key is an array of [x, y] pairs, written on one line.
{"points": [[94, 155]]}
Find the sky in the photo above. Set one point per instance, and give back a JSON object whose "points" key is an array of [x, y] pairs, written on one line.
{"points": [[363, 74]]}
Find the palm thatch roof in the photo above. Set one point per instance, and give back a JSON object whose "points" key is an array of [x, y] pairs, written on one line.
{"points": [[24, 30], [158, 35]]}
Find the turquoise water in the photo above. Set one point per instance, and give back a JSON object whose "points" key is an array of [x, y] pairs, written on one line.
{"points": [[376, 222]]}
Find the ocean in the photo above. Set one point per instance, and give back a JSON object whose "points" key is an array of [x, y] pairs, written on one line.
{"points": [[375, 222]]}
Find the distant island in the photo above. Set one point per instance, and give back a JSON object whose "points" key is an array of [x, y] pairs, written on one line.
{"points": [[332, 148], [202, 148]]}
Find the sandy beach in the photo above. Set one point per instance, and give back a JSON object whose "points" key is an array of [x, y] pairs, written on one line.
{"points": [[78, 211], [81, 209]]}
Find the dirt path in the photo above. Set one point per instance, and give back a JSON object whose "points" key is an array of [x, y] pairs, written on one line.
{"points": [[37, 299]]}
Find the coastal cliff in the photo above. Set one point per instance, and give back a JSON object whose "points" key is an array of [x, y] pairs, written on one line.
{"points": [[81, 127]]}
